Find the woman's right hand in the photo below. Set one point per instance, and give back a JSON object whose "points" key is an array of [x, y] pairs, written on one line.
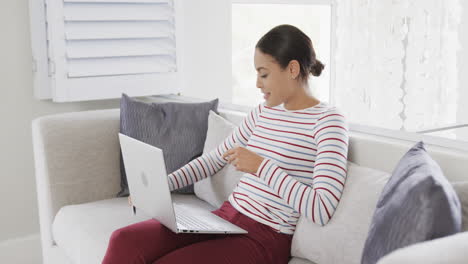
{"points": [[130, 200]]}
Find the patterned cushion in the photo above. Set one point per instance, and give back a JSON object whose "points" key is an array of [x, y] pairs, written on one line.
{"points": [[179, 129], [417, 204]]}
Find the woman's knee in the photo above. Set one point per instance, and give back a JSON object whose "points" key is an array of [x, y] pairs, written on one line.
{"points": [[121, 248], [137, 231], [139, 243], [120, 239], [119, 236]]}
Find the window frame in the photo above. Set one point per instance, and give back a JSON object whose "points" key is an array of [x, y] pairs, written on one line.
{"points": [[410, 136]]}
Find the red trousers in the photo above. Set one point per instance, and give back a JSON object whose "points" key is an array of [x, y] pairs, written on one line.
{"points": [[151, 242]]}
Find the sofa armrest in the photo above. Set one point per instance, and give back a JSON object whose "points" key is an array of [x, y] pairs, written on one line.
{"points": [[76, 159], [449, 249]]}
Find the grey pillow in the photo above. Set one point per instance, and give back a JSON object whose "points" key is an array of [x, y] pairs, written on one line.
{"points": [[417, 204], [179, 129], [462, 192]]}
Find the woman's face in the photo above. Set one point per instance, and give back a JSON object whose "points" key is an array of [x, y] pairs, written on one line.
{"points": [[271, 79]]}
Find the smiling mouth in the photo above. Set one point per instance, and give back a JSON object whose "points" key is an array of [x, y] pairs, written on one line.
{"points": [[266, 95]]}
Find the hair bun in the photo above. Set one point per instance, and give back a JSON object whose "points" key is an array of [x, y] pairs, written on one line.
{"points": [[316, 68]]}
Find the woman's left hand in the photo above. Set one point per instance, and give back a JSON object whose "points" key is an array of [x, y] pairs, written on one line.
{"points": [[243, 159]]}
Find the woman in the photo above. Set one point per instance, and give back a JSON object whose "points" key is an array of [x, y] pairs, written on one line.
{"points": [[293, 150]]}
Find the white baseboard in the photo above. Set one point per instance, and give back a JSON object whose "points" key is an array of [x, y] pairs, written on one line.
{"points": [[21, 250]]}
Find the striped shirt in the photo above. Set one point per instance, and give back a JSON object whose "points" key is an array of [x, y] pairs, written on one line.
{"points": [[303, 171]]}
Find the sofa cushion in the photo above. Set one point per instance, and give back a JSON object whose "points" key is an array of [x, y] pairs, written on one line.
{"points": [[450, 250], [83, 230], [462, 192], [217, 188], [342, 239], [299, 261], [179, 129], [417, 204]]}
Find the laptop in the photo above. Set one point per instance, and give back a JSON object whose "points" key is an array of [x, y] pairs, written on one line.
{"points": [[149, 188]]}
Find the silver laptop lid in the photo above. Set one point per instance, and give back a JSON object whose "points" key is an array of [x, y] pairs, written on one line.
{"points": [[147, 180]]}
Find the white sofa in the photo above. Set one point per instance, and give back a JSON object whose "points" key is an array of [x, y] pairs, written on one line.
{"points": [[77, 173]]}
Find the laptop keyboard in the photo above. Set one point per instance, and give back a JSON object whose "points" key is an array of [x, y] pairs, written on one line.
{"points": [[192, 222]]}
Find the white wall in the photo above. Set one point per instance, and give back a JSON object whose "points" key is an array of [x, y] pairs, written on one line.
{"points": [[207, 50], [19, 216]]}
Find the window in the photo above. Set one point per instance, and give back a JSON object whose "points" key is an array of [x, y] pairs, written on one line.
{"points": [[399, 66], [389, 65], [252, 19]]}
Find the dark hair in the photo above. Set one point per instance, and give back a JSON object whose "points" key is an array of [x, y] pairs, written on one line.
{"points": [[286, 43]]}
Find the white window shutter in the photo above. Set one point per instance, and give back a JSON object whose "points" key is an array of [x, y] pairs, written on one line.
{"points": [[99, 49]]}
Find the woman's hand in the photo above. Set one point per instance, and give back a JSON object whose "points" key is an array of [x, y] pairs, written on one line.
{"points": [[130, 200], [243, 159]]}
